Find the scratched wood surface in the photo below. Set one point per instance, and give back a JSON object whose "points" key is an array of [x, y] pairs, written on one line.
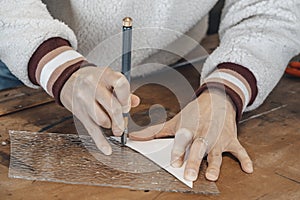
{"points": [[13, 100], [271, 134]]}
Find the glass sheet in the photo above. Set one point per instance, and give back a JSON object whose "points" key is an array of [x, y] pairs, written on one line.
{"points": [[64, 158]]}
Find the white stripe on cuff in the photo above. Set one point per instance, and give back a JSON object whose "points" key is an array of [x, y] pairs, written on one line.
{"points": [[235, 81], [56, 62]]}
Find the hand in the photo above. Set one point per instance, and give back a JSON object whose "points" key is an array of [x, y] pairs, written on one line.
{"points": [[206, 125], [98, 97]]}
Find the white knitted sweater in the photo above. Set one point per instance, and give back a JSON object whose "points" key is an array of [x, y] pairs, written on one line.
{"points": [[262, 35]]}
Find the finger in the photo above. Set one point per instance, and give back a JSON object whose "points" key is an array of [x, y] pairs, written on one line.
{"points": [[196, 155], [241, 154], [183, 138], [214, 160], [116, 116], [112, 106], [156, 131], [98, 115], [123, 94], [96, 133], [135, 100], [120, 86]]}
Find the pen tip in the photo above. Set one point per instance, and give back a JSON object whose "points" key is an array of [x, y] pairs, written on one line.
{"points": [[127, 22]]}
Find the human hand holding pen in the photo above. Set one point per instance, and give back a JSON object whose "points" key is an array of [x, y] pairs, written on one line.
{"points": [[98, 96]]}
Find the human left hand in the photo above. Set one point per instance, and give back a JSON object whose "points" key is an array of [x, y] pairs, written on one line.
{"points": [[206, 125]]}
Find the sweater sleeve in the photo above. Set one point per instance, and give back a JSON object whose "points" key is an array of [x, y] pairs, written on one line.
{"points": [[52, 64], [257, 40], [25, 25]]}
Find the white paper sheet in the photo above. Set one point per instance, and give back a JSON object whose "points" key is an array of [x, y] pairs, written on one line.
{"points": [[159, 151]]}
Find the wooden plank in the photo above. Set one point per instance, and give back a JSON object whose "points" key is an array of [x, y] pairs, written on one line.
{"points": [[21, 98]]}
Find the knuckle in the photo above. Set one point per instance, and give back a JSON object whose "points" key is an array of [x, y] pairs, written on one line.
{"points": [[193, 163], [199, 142], [194, 158], [214, 154]]}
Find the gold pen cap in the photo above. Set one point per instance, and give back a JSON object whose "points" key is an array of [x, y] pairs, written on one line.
{"points": [[127, 22]]}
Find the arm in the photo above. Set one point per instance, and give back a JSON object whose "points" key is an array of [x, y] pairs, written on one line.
{"points": [[258, 38], [25, 25], [40, 51]]}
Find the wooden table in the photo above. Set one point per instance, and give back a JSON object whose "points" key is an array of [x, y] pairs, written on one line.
{"points": [[271, 134]]}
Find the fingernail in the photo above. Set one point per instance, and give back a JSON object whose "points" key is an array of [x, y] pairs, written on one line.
{"points": [[249, 167], [191, 175], [106, 150], [117, 132], [176, 163], [212, 175]]}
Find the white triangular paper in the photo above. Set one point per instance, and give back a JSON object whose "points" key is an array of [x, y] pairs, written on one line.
{"points": [[159, 151]]}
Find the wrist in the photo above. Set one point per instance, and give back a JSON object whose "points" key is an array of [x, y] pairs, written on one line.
{"points": [[234, 80], [52, 65], [221, 97]]}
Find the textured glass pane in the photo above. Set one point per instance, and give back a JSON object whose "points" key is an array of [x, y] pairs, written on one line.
{"points": [[63, 158]]}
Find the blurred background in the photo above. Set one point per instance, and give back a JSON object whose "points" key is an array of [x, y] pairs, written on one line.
{"points": [[214, 18]]}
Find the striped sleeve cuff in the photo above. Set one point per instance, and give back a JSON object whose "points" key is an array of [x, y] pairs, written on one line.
{"points": [[52, 64], [237, 81]]}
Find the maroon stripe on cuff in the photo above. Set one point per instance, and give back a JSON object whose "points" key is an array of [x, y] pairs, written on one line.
{"points": [[40, 52], [66, 74], [246, 73], [236, 99]]}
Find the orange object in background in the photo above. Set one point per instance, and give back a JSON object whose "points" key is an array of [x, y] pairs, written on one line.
{"points": [[293, 68]]}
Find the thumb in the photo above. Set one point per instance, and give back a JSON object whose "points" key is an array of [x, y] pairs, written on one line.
{"points": [[135, 100], [157, 131]]}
